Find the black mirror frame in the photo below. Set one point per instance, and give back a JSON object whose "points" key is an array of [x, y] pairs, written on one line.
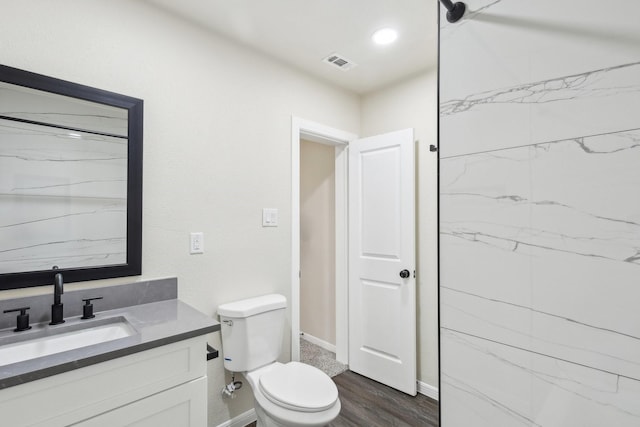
{"points": [[134, 107]]}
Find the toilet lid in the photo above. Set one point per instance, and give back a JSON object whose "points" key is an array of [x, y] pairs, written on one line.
{"points": [[299, 387]]}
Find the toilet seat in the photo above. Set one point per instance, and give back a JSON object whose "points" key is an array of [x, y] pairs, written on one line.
{"points": [[281, 415], [299, 387]]}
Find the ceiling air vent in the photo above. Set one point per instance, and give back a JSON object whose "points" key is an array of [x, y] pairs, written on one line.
{"points": [[339, 61]]}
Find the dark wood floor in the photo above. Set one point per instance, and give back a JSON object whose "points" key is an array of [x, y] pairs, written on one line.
{"points": [[369, 403]]}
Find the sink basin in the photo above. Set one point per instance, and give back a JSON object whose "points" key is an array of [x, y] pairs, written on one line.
{"points": [[51, 340]]}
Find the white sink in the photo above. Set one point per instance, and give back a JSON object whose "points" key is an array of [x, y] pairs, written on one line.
{"points": [[64, 339]]}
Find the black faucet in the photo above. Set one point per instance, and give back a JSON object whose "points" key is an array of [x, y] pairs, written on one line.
{"points": [[57, 315]]}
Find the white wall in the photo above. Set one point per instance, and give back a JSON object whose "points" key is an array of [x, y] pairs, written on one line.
{"points": [[540, 215], [317, 241], [412, 104], [216, 142]]}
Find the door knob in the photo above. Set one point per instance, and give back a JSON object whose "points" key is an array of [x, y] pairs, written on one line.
{"points": [[405, 274]]}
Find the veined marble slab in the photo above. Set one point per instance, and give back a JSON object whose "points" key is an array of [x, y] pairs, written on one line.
{"points": [[38, 160], [524, 73], [505, 386], [59, 110], [540, 215], [550, 252], [63, 198], [528, 197]]}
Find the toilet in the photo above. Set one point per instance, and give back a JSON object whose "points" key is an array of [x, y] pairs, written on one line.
{"points": [[285, 394]]}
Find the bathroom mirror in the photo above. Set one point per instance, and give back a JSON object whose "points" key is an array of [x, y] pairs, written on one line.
{"points": [[70, 181]]}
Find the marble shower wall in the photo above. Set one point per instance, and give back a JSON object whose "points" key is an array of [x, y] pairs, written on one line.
{"points": [[63, 182], [540, 214]]}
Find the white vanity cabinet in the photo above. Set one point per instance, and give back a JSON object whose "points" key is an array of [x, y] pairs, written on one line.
{"points": [[162, 386]]}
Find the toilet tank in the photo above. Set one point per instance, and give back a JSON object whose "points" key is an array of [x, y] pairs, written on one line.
{"points": [[252, 331]]}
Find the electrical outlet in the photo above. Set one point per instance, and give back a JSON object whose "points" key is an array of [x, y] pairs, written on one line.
{"points": [[197, 243]]}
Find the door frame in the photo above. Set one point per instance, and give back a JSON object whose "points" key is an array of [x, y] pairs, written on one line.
{"points": [[319, 133]]}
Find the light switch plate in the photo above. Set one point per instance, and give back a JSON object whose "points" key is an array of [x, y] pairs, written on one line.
{"points": [[269, 217], [197, 243]]}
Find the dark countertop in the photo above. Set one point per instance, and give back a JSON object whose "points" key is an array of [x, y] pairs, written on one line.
{"points": [[157, 323]]}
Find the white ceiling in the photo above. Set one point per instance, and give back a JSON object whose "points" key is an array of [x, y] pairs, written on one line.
{"points": [[301, 33]]}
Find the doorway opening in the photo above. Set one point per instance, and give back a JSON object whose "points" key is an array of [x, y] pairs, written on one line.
{"points": [[311, 132], [317, 257]]}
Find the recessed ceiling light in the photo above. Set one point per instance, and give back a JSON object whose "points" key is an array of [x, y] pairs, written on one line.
{"points": [[384, 36]]}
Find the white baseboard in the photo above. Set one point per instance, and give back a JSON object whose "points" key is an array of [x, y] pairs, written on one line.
{"points": [[428, 390], [241, 420], [318, 342]]}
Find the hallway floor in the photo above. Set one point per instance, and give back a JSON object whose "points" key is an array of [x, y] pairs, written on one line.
{"points": [[323, 359]]}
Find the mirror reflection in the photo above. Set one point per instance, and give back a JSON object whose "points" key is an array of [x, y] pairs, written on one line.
{"points": [[64, 166]]}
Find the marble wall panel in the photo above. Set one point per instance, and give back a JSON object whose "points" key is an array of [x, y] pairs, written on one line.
{"points": [[63, 198], [60, 110], [521, 388], [542, 70], [539, 214]]}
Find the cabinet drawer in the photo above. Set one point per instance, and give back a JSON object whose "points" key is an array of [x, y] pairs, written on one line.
{"points": [[67, 398], [181, 406]]}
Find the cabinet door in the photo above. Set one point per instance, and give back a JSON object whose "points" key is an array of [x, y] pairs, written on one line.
{"points": [[67, 398], [181, 406]]}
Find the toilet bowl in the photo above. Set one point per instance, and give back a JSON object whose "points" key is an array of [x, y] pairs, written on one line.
{"points": [[285, 394], [293, 394]]}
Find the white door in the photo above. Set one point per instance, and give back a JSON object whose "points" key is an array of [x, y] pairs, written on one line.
{"points": [[382, 304]]}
